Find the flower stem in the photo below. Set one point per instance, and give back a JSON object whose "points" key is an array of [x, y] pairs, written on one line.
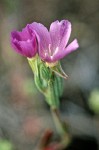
{"points": [[60, 127]]}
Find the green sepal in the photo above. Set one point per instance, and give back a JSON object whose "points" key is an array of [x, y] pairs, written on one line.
{"points": [[59, 71], [51, 95], [54, 90], [45, 72], [58, 85], [47, 82], [35, 66], [33, 62], [39, 85]]}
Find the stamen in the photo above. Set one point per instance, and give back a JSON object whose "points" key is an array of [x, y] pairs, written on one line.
{"points": [[28, 40], [51, 57], [56, 50], [50, 53], [45, 54]]}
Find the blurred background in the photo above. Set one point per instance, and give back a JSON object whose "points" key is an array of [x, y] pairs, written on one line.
{"points": [[24, 115]]}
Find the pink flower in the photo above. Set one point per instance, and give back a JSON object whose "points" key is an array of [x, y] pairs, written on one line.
{"points": [[24, 42], [53, 44]]}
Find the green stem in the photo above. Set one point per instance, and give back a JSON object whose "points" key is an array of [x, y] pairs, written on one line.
{"points": [[57, 121], [60, 127]]}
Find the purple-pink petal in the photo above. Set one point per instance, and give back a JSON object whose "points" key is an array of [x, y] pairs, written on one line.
{"points": [[70, 48], [26, 33], [24, 42], [43, 38], [28, 48], [60, 33], [15, 35], [16, 46], [43, 34]]}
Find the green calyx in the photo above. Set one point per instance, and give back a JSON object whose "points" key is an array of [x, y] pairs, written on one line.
{"points": [[47, 82], [59, 71], [54, 91]]}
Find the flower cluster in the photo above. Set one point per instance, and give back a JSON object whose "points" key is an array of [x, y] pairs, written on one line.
{"points": [[51, 46], [43, 50]]}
